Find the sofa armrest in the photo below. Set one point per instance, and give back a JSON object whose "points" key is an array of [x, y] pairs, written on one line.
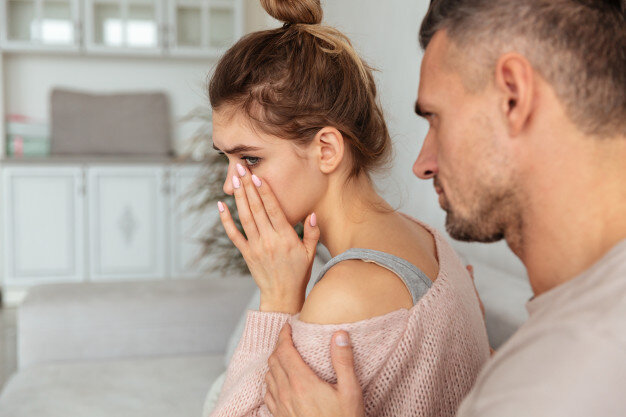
{"points": [[86, 321]]}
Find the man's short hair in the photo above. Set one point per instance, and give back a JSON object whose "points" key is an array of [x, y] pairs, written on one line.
{"points": [[577, 46]]}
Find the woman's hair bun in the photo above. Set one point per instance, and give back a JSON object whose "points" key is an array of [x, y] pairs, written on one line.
{"points": [[294, 11]]}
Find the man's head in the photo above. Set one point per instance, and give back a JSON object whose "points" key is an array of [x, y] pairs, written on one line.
{"points": [[500, 80]]}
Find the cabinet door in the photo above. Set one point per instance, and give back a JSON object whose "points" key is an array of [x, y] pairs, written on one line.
{"points": [[127, 222], [124, 26], [188, 225], [204, 27], [41, 25], [44, 225]]}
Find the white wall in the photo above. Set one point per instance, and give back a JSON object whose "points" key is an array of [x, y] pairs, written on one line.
{"points": [[386, 35]]}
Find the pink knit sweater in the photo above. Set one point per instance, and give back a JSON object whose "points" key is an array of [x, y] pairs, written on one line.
{"points": [[416, 362]]}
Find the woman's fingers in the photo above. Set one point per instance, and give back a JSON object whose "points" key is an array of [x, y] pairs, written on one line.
{"points": [[245, 215], [272, 207], [254, 200], [311, 235], [231, 229]]}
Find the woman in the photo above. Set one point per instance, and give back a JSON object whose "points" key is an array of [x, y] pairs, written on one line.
{"points": [[295, 111]]}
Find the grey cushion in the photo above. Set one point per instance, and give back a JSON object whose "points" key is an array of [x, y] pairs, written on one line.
{"points": [[109, 124], [149, 387], [128, 319]]}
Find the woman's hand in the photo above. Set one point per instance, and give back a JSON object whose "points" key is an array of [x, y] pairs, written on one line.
{"points": [[279, 261]]}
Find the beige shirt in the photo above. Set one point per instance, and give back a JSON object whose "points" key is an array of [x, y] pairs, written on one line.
{"points": [[569, 358]]}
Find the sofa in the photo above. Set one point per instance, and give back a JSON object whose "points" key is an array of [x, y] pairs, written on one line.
{"points": [[158, 349]]}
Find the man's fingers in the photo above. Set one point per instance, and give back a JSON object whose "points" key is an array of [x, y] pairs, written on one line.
{"points": [[290, 360], [470, 269], [271, 403], [343, 362], [277, 375], [285, 333], [270, 383], [231, 229]]}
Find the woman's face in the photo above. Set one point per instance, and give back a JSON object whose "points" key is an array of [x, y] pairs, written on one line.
{"points": [[291, 172]]}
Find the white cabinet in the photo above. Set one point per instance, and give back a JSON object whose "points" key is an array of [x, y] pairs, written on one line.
{"points": [[134, 26], [40, 24], [138, 27], [100, 222], [126, 222], [203, 27], [43, 225], [187, 224]]}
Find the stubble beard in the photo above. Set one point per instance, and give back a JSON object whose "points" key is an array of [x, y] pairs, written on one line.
{"points": [[495, 216]]}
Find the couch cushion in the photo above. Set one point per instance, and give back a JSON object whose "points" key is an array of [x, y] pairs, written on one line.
{"points": [[129, 319], [147, 387]]}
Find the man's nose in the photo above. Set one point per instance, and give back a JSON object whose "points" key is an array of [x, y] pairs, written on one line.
{"points": [[425, 166]]}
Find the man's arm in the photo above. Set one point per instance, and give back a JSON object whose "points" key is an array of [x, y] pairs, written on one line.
{"points": [[293, 389]]}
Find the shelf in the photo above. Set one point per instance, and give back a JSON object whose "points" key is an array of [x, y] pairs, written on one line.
{"points": [[166, 28], [51, 22]]}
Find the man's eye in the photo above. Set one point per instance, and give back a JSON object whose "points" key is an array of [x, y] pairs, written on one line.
{"points": [[251, 160]]}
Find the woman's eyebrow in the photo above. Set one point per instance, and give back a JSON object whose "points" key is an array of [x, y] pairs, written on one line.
{"points": [[238, 149]]}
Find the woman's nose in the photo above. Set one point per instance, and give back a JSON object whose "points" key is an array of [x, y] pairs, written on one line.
{"points": [[228, 183]]}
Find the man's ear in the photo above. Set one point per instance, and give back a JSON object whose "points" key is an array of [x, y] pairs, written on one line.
{"points": [[329, 145], [514, 79]]}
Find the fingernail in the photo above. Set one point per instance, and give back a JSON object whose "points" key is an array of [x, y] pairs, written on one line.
{"points": [[241, 170], [220, 206], [313, 220], [236, 182], [342, 340], [256, 180]]}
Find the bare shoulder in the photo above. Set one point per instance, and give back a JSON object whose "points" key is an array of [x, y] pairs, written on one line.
{"points": [[355, 290]]}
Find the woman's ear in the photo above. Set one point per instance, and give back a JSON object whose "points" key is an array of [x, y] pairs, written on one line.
{"points": [[329, 146], [515, 80]]}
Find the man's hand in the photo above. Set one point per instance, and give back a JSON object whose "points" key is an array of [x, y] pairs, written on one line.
{"points": [[470, 269], [293, 389]]}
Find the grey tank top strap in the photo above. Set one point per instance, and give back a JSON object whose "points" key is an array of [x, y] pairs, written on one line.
{"points": [[416, 281]]}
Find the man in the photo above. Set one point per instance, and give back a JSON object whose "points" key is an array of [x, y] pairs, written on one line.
{"points": [[526, 101]]}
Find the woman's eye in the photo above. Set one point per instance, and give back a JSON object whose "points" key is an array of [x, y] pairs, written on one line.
{"points": [[251, 160]]}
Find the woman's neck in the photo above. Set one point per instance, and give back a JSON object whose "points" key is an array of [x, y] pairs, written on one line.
{"points": [[348, 213]]}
